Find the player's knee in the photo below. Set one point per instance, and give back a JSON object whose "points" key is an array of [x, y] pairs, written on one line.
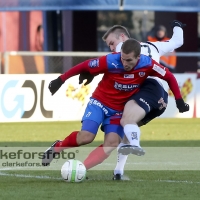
{"points": [[85, 137], [131, 119], [124, 121], [111, 142], [109, 146]]}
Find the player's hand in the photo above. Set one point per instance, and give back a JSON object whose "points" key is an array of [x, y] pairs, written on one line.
{"points": [[85, 75], [177, 23], [182, 106], [55, 85]]}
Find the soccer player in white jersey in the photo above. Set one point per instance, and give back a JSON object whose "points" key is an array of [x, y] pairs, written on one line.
{"points": [[114, 38]]}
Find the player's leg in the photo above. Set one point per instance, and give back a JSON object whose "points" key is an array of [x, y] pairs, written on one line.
{"points": [[121, 161], [103, 151], [91, 120], [113, 135], [111, 142], [151, 96], [75, 139], [159, 108], [129, 122], [133, 113]]}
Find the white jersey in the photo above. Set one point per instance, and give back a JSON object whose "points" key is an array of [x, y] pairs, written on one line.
{"points": [[157, 49], [151, 50]]}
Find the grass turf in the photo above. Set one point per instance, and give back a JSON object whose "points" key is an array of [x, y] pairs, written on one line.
{"points": [[142, 184]]}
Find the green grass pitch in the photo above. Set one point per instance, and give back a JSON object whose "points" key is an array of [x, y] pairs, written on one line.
{"points": [[142, 185]]}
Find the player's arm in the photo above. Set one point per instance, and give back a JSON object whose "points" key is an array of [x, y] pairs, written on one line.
{"points": [[92, 66], [165, 74], [176, 40]]}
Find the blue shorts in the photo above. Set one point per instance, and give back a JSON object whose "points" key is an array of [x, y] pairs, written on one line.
{"points": [[152, 98], [96, 114]]}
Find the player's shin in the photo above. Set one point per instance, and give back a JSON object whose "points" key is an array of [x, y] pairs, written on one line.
{"points": [[96, 157], [132, 133]]}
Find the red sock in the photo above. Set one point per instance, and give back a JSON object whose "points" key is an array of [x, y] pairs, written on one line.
{"points": [[68, 142], [96, 157]]}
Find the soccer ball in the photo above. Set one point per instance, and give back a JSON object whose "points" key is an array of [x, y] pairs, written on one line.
{"points": [[73, 171]]}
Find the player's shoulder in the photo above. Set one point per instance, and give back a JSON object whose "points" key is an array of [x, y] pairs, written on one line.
{"points": [[114, 63], [114, 56], [145, 61]]}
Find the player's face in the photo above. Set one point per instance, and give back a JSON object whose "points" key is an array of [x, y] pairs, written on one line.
{"points": [[129, 60], [160, 34], [112, 41]]}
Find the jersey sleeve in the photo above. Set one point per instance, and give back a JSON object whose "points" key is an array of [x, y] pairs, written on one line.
{"points": [[162, 72], [98, 65], [173, 43]]}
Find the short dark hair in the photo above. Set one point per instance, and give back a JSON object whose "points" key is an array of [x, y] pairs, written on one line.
{"points": [[117, 29], [131, 45]]}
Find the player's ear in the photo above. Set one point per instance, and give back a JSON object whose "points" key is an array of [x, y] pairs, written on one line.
{"points": [[123, 37]]}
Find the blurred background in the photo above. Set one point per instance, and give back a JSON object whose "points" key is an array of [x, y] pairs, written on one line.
{"points": [[39, 39], [78, 26]]}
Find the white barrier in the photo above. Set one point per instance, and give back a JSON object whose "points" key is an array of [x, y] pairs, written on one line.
{"points": [[188, 86], [25, 98], [198, 97]]}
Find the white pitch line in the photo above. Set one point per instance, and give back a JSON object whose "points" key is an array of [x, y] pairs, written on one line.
{"points": [[169, 181], [53, 178], [174, 181], [29, 176]]}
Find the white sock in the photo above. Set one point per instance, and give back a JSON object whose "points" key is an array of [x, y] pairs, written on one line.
{"points": [[121, 161], [132, 133]]}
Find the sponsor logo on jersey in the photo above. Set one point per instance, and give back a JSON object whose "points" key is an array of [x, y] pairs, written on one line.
{"points": [[141, 74], [159, 69], [128, 75], [125, 87], [94, 63], [115, 65], [142, 100]]}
